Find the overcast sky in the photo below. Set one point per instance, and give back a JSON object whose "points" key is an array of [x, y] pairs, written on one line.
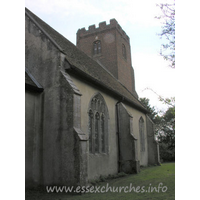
{"points": [[137, 19]]}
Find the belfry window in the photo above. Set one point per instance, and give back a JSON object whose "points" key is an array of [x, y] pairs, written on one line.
{"points": [[96, 47], [98, 125], [123, 51], [142, 137]]}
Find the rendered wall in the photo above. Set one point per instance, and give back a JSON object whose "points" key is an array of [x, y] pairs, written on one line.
{"points": [[106, 164], [153, 147], [61, 148], [65, 153], [99, 164], [142, 156], [33, 139], [128, 152]]}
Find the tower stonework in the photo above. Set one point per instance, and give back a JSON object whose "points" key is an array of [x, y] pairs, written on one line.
{"points": [[110, 46]]}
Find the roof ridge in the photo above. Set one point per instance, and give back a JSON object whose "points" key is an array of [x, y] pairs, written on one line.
{"points": [[82, 61], [114, 77], [27, 11]]}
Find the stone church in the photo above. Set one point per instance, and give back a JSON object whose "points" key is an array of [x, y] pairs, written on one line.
{"points": [[83, 118]]}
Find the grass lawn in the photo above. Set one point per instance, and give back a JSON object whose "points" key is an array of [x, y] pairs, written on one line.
{"points": [[147, 179]]}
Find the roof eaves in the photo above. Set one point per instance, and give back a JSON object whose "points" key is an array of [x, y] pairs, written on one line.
{"points": [[150, 119], [97, 82]]}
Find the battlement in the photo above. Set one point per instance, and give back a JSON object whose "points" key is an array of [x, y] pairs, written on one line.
{"points": [[102, 27]]}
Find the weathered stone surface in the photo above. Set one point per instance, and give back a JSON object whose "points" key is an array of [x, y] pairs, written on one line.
{"points": [[128, 152], [153, 146], [60, 113], [57, 112]]}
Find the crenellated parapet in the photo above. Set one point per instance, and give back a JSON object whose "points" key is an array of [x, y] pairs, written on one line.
{"points": [[102, 27]]}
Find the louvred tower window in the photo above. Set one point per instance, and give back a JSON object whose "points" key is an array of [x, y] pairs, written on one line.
{"points": [[96, 47]]}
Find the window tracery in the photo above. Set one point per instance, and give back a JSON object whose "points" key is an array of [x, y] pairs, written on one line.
{"points": [[96, 47], [98, 125], [124, 51], [142, 137]]}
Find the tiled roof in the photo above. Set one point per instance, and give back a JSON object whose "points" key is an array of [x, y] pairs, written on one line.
{"points": [[85, 65]]}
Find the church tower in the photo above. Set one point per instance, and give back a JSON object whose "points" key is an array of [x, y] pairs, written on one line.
{"points": [[109, 46]]}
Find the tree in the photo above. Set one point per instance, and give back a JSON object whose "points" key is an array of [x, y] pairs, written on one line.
{"points": [[152, 112], [164, 127], [168, 30], [165, 131]]}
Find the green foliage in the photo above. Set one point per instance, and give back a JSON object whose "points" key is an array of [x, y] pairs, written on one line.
{"points": [[149, 176], [165, 131], [152, 112], [168, 101], [168, 30], [166, 154], [109, 177], [164, 127]]}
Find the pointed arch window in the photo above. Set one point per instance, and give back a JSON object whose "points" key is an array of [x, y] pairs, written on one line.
{"points": [[90, 129], [96, 47], [98, 125], [96, 134], [123, 51], [103, 133], [142, 136]]}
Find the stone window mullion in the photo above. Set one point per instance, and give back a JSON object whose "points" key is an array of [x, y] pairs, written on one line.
{"points": [[141, 131], [124, 51], [96, 132], [93, 136], [103, 141], [100, 132], [91, 128], [98, 125], [96, 47]]}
